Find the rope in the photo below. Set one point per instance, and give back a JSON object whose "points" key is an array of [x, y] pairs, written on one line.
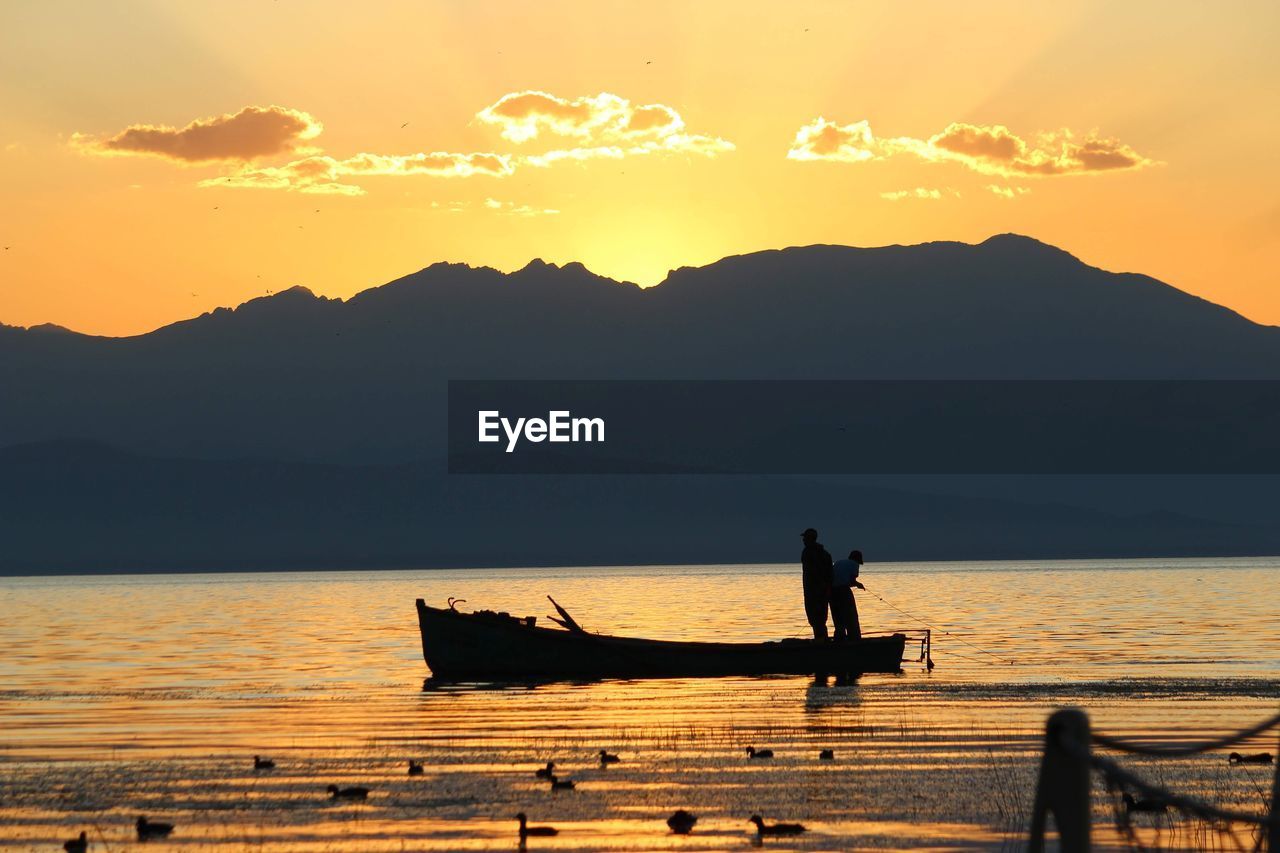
{"points": [[995, 657], [1204, 811], [956, 654], [1184, 751]]}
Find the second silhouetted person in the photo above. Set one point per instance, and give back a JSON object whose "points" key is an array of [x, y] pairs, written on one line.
{"points": [[815, 566]]}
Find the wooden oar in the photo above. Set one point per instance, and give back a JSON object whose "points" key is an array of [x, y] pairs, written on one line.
{"points": [[565, 620]]}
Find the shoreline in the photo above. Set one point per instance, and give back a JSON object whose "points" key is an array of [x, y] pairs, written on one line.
{"points": [[973, 564]]}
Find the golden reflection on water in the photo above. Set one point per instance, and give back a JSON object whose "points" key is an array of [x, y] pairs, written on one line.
{"points": [[149, 695]]}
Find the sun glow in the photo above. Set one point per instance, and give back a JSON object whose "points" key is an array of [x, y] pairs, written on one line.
{"points": [[634, 141]]}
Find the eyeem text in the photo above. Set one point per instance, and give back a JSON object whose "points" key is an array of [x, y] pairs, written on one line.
{"points": [[558, 427]]}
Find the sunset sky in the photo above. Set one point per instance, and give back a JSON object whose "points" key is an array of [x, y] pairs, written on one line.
{"points": [[160, 159]]}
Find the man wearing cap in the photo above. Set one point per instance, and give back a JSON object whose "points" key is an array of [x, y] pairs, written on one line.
{"points": [[815, 567], [844, 610]]}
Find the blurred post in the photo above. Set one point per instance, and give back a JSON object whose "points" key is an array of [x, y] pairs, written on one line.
{"points": [[1064, 784], [1273, 829]]}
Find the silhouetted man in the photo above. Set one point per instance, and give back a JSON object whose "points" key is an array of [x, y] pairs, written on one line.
{"points": [[844, 610], [815, 569]]}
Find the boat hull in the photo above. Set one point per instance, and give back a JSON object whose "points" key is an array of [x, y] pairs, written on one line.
{"points": [[488, 647]]}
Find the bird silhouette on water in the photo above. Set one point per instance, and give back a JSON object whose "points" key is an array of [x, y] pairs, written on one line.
{"points": [[260, 763], [77, 845], [681, 822], [353, 793], [752, 752], [148, 829], [415, 769], [546, 772], [558, 784], [827, 755], [527, 831], [1132, 806], [763, 829], [1256, 758], [608, 758]]}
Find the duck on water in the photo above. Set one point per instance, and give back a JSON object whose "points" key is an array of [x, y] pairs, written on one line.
{"points": [[527, 831], [353, 793], [558, 784], [682, 822], [149, 829], [764, 829]]}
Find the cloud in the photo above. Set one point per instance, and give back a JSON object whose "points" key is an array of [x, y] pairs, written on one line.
{"points": [[325, 174], [603, 125], [968, 140], [994, 150], [252, 133], [826, 140], [918, 192], [986, 149], [611, 152], [510, 208], [1007, 192], [493, 205], [522, 116]]}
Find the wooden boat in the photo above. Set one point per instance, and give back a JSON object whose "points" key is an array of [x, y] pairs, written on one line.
{"points": [[488, 646]]}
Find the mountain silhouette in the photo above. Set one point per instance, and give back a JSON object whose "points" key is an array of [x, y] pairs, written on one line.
{"points": [[304, 399], [302, 377]]}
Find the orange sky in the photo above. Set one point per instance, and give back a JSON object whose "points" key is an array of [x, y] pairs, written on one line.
{"points": [[339, 147]]}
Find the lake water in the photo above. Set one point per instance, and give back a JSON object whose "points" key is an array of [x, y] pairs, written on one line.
{"points": [[150, 694]]}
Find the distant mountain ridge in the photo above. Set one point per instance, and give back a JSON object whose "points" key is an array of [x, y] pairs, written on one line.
{"points": [[815, 264], [299, 376]]}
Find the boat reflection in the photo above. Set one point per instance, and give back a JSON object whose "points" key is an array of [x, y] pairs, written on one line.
{"points": [[827, 692], [432, 684]]}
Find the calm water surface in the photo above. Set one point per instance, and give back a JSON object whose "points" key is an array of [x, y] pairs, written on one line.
{"points": [[130, 695]]}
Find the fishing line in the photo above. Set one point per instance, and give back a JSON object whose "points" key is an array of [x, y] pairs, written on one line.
{"points": [[996, 657], [953, 653]]}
